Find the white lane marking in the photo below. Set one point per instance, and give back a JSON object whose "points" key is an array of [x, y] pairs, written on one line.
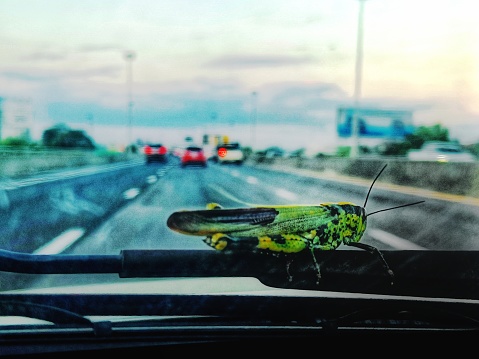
{"points": [[229, 195], [392, 240], [281, 192], [62, 242], [60, 175], [4, 201], [151, 179], [131, 193]]}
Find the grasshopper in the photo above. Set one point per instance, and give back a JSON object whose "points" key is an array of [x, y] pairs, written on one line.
{"points": [[282, 228]]}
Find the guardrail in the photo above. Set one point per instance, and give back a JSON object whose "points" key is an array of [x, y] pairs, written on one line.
{"points": [[453, 178], [20, 162]]}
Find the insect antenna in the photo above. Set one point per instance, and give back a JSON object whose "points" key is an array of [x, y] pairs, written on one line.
{"points": [[386, 209], [372, 184]]}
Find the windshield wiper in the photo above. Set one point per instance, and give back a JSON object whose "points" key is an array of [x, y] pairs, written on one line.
{"points": [[252, 310], [53, 314], [42, 312], [446, 274], [234, 332]]}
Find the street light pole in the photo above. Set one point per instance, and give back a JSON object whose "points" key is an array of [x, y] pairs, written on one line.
{"points": [[129, 57], [357, 82], [92, 128], [254, 95]]}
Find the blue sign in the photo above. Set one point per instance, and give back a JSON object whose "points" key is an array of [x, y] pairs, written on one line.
{"points": [[374, 123]]}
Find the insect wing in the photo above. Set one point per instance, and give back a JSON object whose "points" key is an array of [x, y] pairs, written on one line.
{"points": [[250, 222], [207, 222]]}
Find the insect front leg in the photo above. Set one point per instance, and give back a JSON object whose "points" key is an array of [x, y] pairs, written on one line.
{"points": [[316, 264], [374, 250], [225, 242], [311, 241], [218, 241]]}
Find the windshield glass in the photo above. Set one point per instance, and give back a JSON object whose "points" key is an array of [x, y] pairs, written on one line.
{"points": [[284, 129]]}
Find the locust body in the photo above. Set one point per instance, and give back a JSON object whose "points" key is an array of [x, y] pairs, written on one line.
{"points": [[286, 229], [280, 229]]}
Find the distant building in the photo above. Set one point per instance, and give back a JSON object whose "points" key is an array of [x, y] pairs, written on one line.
{"points": [[16, 118]]}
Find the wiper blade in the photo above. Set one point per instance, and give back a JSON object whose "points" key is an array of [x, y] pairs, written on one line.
{"points": [[42, 312], [417, 272], [329, 313], [417, 317], [386, 315]]}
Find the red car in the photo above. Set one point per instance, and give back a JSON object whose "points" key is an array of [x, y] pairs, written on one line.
{"points": [[155, 152], [193, 156]]}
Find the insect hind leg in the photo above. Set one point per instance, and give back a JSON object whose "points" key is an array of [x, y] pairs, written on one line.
{"points": [[374, 250], [316, 264]]}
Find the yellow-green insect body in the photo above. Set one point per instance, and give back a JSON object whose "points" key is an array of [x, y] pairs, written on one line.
{"points": [[288, 229], [281, 229]]}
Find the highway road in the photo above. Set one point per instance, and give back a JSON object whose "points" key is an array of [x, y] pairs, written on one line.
{"points": [[109, 208]]}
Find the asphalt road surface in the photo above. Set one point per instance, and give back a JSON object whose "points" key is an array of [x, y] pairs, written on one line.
{"points": [[106, 209]]}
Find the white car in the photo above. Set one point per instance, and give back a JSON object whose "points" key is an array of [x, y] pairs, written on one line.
{"points": [[229, 153], [441, 151]]}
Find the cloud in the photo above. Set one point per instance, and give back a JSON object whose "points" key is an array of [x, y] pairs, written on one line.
{"points": [[258, 61], [100, 48], [46, 55], [25, 76]]}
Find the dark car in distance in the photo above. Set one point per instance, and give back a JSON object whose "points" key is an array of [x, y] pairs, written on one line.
{"points": [[193, 156], [155, 152]]}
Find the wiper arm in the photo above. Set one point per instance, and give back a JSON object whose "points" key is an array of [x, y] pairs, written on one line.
{"points": [[51, 314], [417, 272]]}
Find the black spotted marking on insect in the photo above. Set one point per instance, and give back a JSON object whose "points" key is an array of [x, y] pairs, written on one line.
{"points": [[282, 229]]}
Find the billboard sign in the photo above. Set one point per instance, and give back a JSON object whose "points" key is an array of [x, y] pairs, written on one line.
{"points": [[374, 123]]}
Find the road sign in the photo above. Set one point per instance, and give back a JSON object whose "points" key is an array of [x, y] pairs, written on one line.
{"points": [[374, 122]]}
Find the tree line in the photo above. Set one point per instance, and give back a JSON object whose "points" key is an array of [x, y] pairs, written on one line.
{"points": [[62, 136], [58, 136]]}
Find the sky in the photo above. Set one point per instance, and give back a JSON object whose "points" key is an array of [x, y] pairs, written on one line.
{"points": [[258, 71]]}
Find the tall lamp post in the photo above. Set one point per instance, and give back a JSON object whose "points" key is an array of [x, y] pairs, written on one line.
{"points": [[92, 128], [357, 82], [254, 96], [129, 57]]}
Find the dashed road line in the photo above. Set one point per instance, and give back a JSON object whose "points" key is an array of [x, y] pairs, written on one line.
{"points": [[228, 195], [392, 240], [62, 242], [131, 193], [9, 184], [281, 192]]}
